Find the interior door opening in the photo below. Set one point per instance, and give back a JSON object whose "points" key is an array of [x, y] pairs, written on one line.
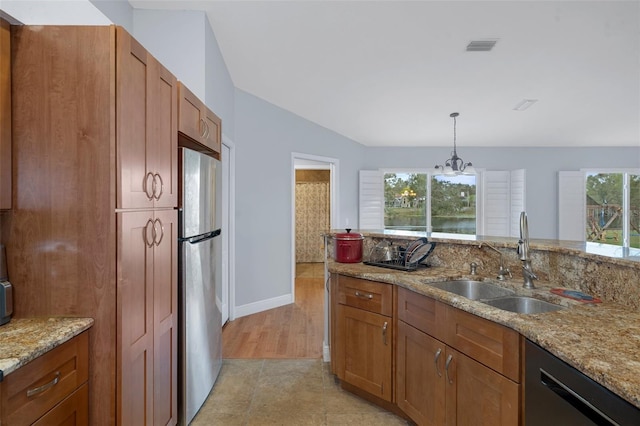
{"points": [[314, 196]]}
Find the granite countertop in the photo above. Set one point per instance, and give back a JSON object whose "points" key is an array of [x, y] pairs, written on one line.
{"points": [[24, 339], [601, 340]]}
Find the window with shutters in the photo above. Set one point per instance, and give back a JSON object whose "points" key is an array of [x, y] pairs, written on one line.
{"points": [[488, 203]]}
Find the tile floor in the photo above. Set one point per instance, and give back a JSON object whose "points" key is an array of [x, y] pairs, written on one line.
{"points": [[297, 392]]}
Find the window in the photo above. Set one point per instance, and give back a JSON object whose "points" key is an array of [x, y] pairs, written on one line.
{"points": [[450, 202], [613, 208]]}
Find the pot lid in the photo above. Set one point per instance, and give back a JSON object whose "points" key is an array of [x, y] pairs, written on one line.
{"points": [[349, 235]]}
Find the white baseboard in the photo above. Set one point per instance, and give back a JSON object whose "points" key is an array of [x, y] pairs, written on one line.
{"points": [[262, 305], [326, 352]]}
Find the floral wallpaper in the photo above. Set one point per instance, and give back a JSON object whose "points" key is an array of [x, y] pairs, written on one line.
{"points": [[312, 220]]}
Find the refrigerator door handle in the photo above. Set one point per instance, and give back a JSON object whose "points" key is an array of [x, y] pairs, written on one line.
{"points": [[200, 238]]}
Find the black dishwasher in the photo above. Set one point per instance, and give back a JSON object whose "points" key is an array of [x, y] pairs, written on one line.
{"points": [[558, 394]]}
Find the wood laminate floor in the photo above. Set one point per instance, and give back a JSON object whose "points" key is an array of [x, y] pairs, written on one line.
{"points": [[291, 331]]}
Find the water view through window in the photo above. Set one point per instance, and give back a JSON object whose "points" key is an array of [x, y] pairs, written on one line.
{"points": [[452, 203]]}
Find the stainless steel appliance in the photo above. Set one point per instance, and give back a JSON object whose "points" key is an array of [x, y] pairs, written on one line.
{"points": [[6, 290], [558, 394], [200, 331]]}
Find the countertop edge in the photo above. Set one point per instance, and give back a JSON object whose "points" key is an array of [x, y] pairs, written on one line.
{"points": [[24, 339]]}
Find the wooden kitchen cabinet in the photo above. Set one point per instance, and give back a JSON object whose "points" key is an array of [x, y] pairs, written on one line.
{"points": [[436, 383], [5, 115], [147, 296], [147, 146], [50, 390], [199, 127], [420, 382], [83, 238], [364, 335]]}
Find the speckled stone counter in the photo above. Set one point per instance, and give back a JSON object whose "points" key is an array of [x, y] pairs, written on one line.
{"points": [[24, 339], [601, 340]]}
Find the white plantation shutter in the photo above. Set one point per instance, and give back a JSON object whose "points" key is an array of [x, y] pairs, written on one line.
{"points": [[571, 206], [371, 204], [518, 197], [496, 204]]}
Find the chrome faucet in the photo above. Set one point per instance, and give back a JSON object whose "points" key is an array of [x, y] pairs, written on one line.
{"points": [[523, 251], [503, 272]]}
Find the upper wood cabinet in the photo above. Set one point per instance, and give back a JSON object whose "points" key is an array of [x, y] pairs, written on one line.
{"points": [[199, 127], [146, 114], [94, 121], [5, 115]]}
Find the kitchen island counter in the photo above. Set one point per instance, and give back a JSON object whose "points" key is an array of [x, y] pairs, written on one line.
{"points": [[601, 340], [24, 339]]}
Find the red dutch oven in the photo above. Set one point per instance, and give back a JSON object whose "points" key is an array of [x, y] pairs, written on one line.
{"points": [[348, 247]]}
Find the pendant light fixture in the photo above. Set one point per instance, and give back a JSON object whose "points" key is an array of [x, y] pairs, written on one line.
{"points": [[455, 165]]}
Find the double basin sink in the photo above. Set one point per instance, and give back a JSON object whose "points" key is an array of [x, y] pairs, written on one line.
{"points": [[496, 296]]}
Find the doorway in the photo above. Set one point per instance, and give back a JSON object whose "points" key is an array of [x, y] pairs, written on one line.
{"points": [[227, 292], [315, 165]]}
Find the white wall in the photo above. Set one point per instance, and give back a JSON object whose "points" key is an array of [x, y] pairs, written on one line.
{"points": [[118, 11], [541, 164], [177, 40], [265, 138]]}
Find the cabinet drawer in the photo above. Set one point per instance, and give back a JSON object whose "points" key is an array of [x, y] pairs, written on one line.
{"points": [[35, 388], [421, 312], [368, 295], [487, 342], [72, 411]]}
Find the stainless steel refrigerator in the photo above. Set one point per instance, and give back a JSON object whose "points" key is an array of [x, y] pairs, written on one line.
{"points": [[200, 331]]}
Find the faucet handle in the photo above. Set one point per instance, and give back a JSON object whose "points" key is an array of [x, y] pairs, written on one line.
{"points": [[474, 268]]}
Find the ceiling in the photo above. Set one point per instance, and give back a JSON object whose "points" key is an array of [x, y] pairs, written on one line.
{"points": [[389, 73]]}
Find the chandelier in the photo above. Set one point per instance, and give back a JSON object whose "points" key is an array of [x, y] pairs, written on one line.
{"points": [[455, 165]]}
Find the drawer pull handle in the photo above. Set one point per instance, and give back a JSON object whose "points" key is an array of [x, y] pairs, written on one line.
{"points": [[384, 332], [446, 368], [435, 360], [40, 389], [364, 296]]}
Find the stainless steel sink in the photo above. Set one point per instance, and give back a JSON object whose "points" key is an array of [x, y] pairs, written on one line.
{"points": [[523, 305], [474, 290]]}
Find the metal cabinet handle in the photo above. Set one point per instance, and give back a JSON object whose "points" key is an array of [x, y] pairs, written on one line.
{"points": [[155, 222], [203, 125], [145, 232], [206, 130], [364, 296], [145, 185], [435, 361], [446, 368], [384, 332], [40, 389], [157, 175]]}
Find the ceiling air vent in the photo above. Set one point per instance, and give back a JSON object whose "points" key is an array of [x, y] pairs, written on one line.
{"points": [[481, 45]]}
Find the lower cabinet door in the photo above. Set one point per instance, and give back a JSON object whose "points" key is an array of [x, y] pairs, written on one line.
{"points": [[147, 322], [72, 411], [366, 348], [420, 381], [477, 395]]}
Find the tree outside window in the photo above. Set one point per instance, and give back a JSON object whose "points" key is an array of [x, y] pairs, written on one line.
{"points": [[613, 208], [452, 201]]}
